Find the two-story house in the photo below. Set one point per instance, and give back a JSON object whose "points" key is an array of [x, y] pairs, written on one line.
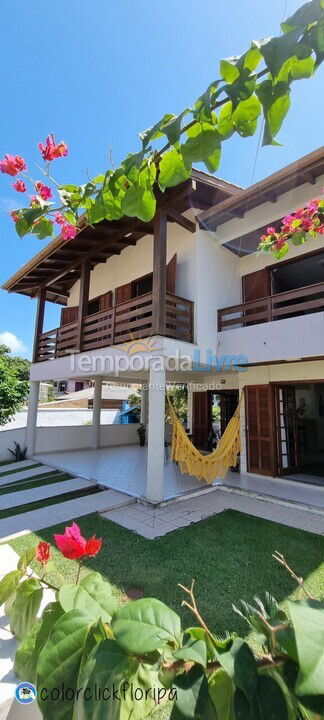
{"points": [[188, 299]]}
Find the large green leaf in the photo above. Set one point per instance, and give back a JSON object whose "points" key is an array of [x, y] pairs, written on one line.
{"points": [[26, 657], [173, 169], [26, 558], [93, 595], [172, 128], [194, 650], [25, 607], [277, 50], [96, 210], [155, 131], [50, 615], [225, 126], [107, 666], [139, 199], [308, 13], [307, 617], [43, 228], [245, 116], [9, 584], [201, 144], [59, 663], [221, 691], [276, 102], [193, 699], [146, 625], [270, 702], [228, 70], [240, 664]]}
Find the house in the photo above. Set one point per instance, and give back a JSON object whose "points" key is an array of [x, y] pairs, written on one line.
{"points": [[113, 397], [187, 299]]}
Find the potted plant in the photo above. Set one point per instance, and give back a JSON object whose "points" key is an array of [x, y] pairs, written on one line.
{"points": [[141, 431]]}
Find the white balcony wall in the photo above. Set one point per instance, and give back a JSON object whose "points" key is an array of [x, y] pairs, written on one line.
{"points": [[289, 339]]}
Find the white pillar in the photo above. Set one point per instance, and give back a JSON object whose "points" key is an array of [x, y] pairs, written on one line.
{"points": [[30, 436], [144, 404], [156, 425], [96, 413]]}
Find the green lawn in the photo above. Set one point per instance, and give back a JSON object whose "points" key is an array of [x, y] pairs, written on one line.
{"points": [[17, 470], [49, 501], [229, 556], [34, 481]]}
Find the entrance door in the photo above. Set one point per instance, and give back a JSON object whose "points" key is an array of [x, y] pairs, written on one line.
{"points": [[260, 438], [200, 419], [286, 427], [228, 400]]}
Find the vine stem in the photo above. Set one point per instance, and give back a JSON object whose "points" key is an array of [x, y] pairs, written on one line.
{"points": [[299, 580]]}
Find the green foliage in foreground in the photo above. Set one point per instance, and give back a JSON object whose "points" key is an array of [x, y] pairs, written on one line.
{"points": [[252, 86], [143, 655]]}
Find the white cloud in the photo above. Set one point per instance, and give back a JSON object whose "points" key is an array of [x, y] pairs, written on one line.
{"points": [[10, 339]]}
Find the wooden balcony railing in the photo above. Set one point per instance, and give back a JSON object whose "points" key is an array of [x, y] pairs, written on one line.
{"points": [[130, 320], [275, 307]]}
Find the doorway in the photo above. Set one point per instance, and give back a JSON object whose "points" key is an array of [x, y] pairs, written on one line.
{"points": [[212, 411], [300, 430]]}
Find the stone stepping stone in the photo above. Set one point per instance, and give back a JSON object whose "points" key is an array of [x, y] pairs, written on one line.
{"points": [[24, 497], [20, 464], [62, 512], [26, 474]]}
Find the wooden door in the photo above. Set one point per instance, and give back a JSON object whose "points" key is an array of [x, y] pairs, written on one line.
{"points": [[260, 437], [68, 315], [228, 400], [200, 418], [286, 428], [171, 269], [122, 293], [105, 301], [255, 286]]}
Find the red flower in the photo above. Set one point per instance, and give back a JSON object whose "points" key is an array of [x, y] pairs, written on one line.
{"points": [[60, 219], [20, 186], [15, 216], [44, 191], [68, 231], [50, 151], [34, 200], [74, 546], [43, 553], [93, 546], [12, 165], [271, 230], [71, 544]]}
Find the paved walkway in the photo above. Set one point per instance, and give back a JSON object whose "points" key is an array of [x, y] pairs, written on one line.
{"points": [[152, 523], [61, 512], [26, 474], [24, 497]]}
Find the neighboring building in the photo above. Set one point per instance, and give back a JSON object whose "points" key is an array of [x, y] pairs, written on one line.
{"points": [[64, 387], [198, 290], [113, 397]]}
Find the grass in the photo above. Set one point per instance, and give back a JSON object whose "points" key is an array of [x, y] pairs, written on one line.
{"points": [[11, 512], [34, 482], [16, 470], [229, 555]]}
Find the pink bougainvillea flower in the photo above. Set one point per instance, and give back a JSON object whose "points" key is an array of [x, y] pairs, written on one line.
{"points": [[280, 242], [14, 215], [68, 231], [271, 230], [43, 553], [44, 191], [71, 544], [12, 165], [34, 200], [93, 546], [60, 219], [51, 150], [19, 185]]}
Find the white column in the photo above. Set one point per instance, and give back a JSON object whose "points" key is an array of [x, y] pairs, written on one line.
{"points": [[96, 413], [144, 404], [30, 436], [155, 447]]}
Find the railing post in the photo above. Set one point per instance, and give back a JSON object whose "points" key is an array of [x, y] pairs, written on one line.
{"points": [[39, 322], [83, 301], [159, 274], [113, 318]]}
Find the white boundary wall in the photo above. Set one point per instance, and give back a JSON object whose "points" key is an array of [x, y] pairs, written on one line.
{"points": [[49, 439]]}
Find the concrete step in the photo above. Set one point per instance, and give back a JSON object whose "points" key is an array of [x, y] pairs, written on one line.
{"points": [[24, 497], [26, 474], [61, 512], [20, 464]]}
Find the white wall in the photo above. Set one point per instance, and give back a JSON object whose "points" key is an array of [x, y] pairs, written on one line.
{"points": [[68, 438], [288, 339]]}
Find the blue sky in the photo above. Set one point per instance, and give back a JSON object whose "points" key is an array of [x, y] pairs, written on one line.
{"points": [[95, 73]]}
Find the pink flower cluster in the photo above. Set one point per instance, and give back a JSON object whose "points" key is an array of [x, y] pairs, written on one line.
{"points": [[12, 165], [52, 150], [304, 220], [68, 231]]}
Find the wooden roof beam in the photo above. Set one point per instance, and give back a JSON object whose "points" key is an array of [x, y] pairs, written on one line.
{"points": [[181, 220]]}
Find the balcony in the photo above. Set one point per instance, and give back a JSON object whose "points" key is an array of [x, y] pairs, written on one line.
{"points": [[285, 326], [127, 321]]}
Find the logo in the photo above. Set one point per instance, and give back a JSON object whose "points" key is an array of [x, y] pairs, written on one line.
{"points": [[147, 345], [25, 693]]}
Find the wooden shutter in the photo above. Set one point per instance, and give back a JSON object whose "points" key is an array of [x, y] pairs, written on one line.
{"points": [[256, 285], [171, 274], [105, 301], [68, 315], [260, 429], [228, 404], [200, 419], [122, 293]]}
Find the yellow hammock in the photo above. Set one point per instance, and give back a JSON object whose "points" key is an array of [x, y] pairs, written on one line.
{"points": [[217, 463]]}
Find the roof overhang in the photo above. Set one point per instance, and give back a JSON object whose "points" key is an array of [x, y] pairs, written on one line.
{"points": [[57, 266]]}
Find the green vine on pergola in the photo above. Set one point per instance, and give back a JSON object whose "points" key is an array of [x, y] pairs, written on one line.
{"points": [[251, 86]]}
